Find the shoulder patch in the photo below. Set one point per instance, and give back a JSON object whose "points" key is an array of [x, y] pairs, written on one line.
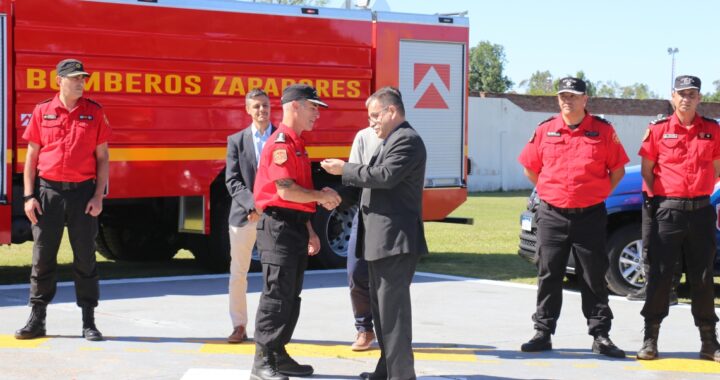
{"points": [[601, 119], [279, 156], [548, 119], [710, 120], [280, 138], [660, 120], [532, 138], [646, 135], [94, 102], [46, 101]]}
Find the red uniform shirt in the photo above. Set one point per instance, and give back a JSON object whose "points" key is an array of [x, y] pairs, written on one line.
{"points": [[683, 156], [284, 156], [574, 166], [67, 139]]}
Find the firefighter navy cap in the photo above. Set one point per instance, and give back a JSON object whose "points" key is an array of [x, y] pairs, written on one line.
{"points": [[684, 82], [70, 68], [300, 92], [573, 85]]}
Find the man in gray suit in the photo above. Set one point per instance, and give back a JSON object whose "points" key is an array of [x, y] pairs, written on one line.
{"points": [[391, 207], [243, 155]]}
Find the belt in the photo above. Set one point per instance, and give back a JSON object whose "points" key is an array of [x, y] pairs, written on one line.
{"points": [[58, 185], [684, 204], [575, 210], [288, 215]]}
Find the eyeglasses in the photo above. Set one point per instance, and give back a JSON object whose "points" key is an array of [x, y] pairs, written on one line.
{"points": [[375, 117]]}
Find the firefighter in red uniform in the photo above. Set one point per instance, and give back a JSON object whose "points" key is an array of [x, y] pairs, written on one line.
{"points": [[66, 170], [575, 159], [285, 195], [680, 163]]}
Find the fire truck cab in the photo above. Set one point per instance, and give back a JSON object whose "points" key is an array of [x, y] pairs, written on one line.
{"points": [[172, 76]]}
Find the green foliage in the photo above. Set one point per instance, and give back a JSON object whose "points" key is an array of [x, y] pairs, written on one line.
{"points": [[540, 83], [713, 96], [487, 62], [612, 89]]}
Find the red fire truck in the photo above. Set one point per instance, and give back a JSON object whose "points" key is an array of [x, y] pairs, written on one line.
{"points": [[172, 76]]}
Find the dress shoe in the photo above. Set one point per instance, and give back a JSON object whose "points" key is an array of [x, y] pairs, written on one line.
{"points": [[238, 335], [264, 366], [604, 346], [363, 341], [710, 349], [35, 326], [289, 367], [649, 349], [372, 376], [540, 342], [89, 331]]}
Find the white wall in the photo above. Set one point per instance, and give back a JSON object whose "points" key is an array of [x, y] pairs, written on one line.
{"points": [[498, 130]]}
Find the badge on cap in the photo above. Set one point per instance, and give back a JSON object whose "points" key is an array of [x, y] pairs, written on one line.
{"points": [[279, 156], [670, 136]]}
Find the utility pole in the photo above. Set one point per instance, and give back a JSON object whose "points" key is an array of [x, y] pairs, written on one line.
{"points": [[672, 52]]}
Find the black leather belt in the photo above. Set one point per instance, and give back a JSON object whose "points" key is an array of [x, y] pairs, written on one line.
{"points": [[288, 215], [684, 204], [63, 186], [576, 210]]}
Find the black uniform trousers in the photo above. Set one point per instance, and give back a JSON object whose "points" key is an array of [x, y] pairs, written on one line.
{"points": [[282, 241], [647, 220], [581, 233], [63, 204], [390, 279], [692, 234]]}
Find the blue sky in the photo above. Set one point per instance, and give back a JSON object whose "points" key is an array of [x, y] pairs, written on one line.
{"points": [[611, 40]]}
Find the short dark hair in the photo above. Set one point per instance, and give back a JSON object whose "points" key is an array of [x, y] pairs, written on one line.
{"points": [[254, 93], [388, 96]]}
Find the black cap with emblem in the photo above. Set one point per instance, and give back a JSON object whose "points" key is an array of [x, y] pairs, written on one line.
{"points": [[685, 82], [300, 92], [70, 68], [572, 85]]}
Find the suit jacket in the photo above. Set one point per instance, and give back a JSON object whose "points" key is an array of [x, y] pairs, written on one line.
{"points": [[391, 201], [240, 170]]}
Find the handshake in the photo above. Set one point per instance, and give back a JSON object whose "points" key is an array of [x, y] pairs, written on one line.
{"points": [[330, 198]]}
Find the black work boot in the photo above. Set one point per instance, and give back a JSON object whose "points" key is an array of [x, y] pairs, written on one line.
{"points": [[540, 342], [604, 346], [35, 326], [649, 349], [639, 295], [710, 349], [264, 366], [89, 331], [673, 296], [289, 367]]}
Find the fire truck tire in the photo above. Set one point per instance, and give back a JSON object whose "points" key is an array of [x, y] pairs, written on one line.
{"points": [[333, 229], [133, 244]]}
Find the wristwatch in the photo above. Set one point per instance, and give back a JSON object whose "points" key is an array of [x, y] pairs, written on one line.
{"points": [[29, 197]]}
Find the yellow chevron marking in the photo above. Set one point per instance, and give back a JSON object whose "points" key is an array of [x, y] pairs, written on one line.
{"points": [[344, 351], [678, 365], [9, 341]]}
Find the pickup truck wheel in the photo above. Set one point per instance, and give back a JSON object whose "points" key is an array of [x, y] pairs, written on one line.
{"points": [[333, 228], [625, 274]]}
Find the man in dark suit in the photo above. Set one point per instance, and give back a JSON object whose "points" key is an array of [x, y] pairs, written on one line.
{"points": [[243, 155], [391, 207]]}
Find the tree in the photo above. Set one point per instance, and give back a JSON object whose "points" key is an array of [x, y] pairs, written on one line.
{"points": [[713, 96], [487, 62], [615, 90], [540, 83]]}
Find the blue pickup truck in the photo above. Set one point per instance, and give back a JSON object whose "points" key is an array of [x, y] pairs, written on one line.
{"points": [[624, 245]]}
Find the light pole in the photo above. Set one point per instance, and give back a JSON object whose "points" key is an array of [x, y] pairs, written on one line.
{"points": [[672, 52]]}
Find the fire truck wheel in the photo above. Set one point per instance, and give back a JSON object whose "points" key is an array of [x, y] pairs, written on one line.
{"points": [[134, 244], [333, 228]]}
